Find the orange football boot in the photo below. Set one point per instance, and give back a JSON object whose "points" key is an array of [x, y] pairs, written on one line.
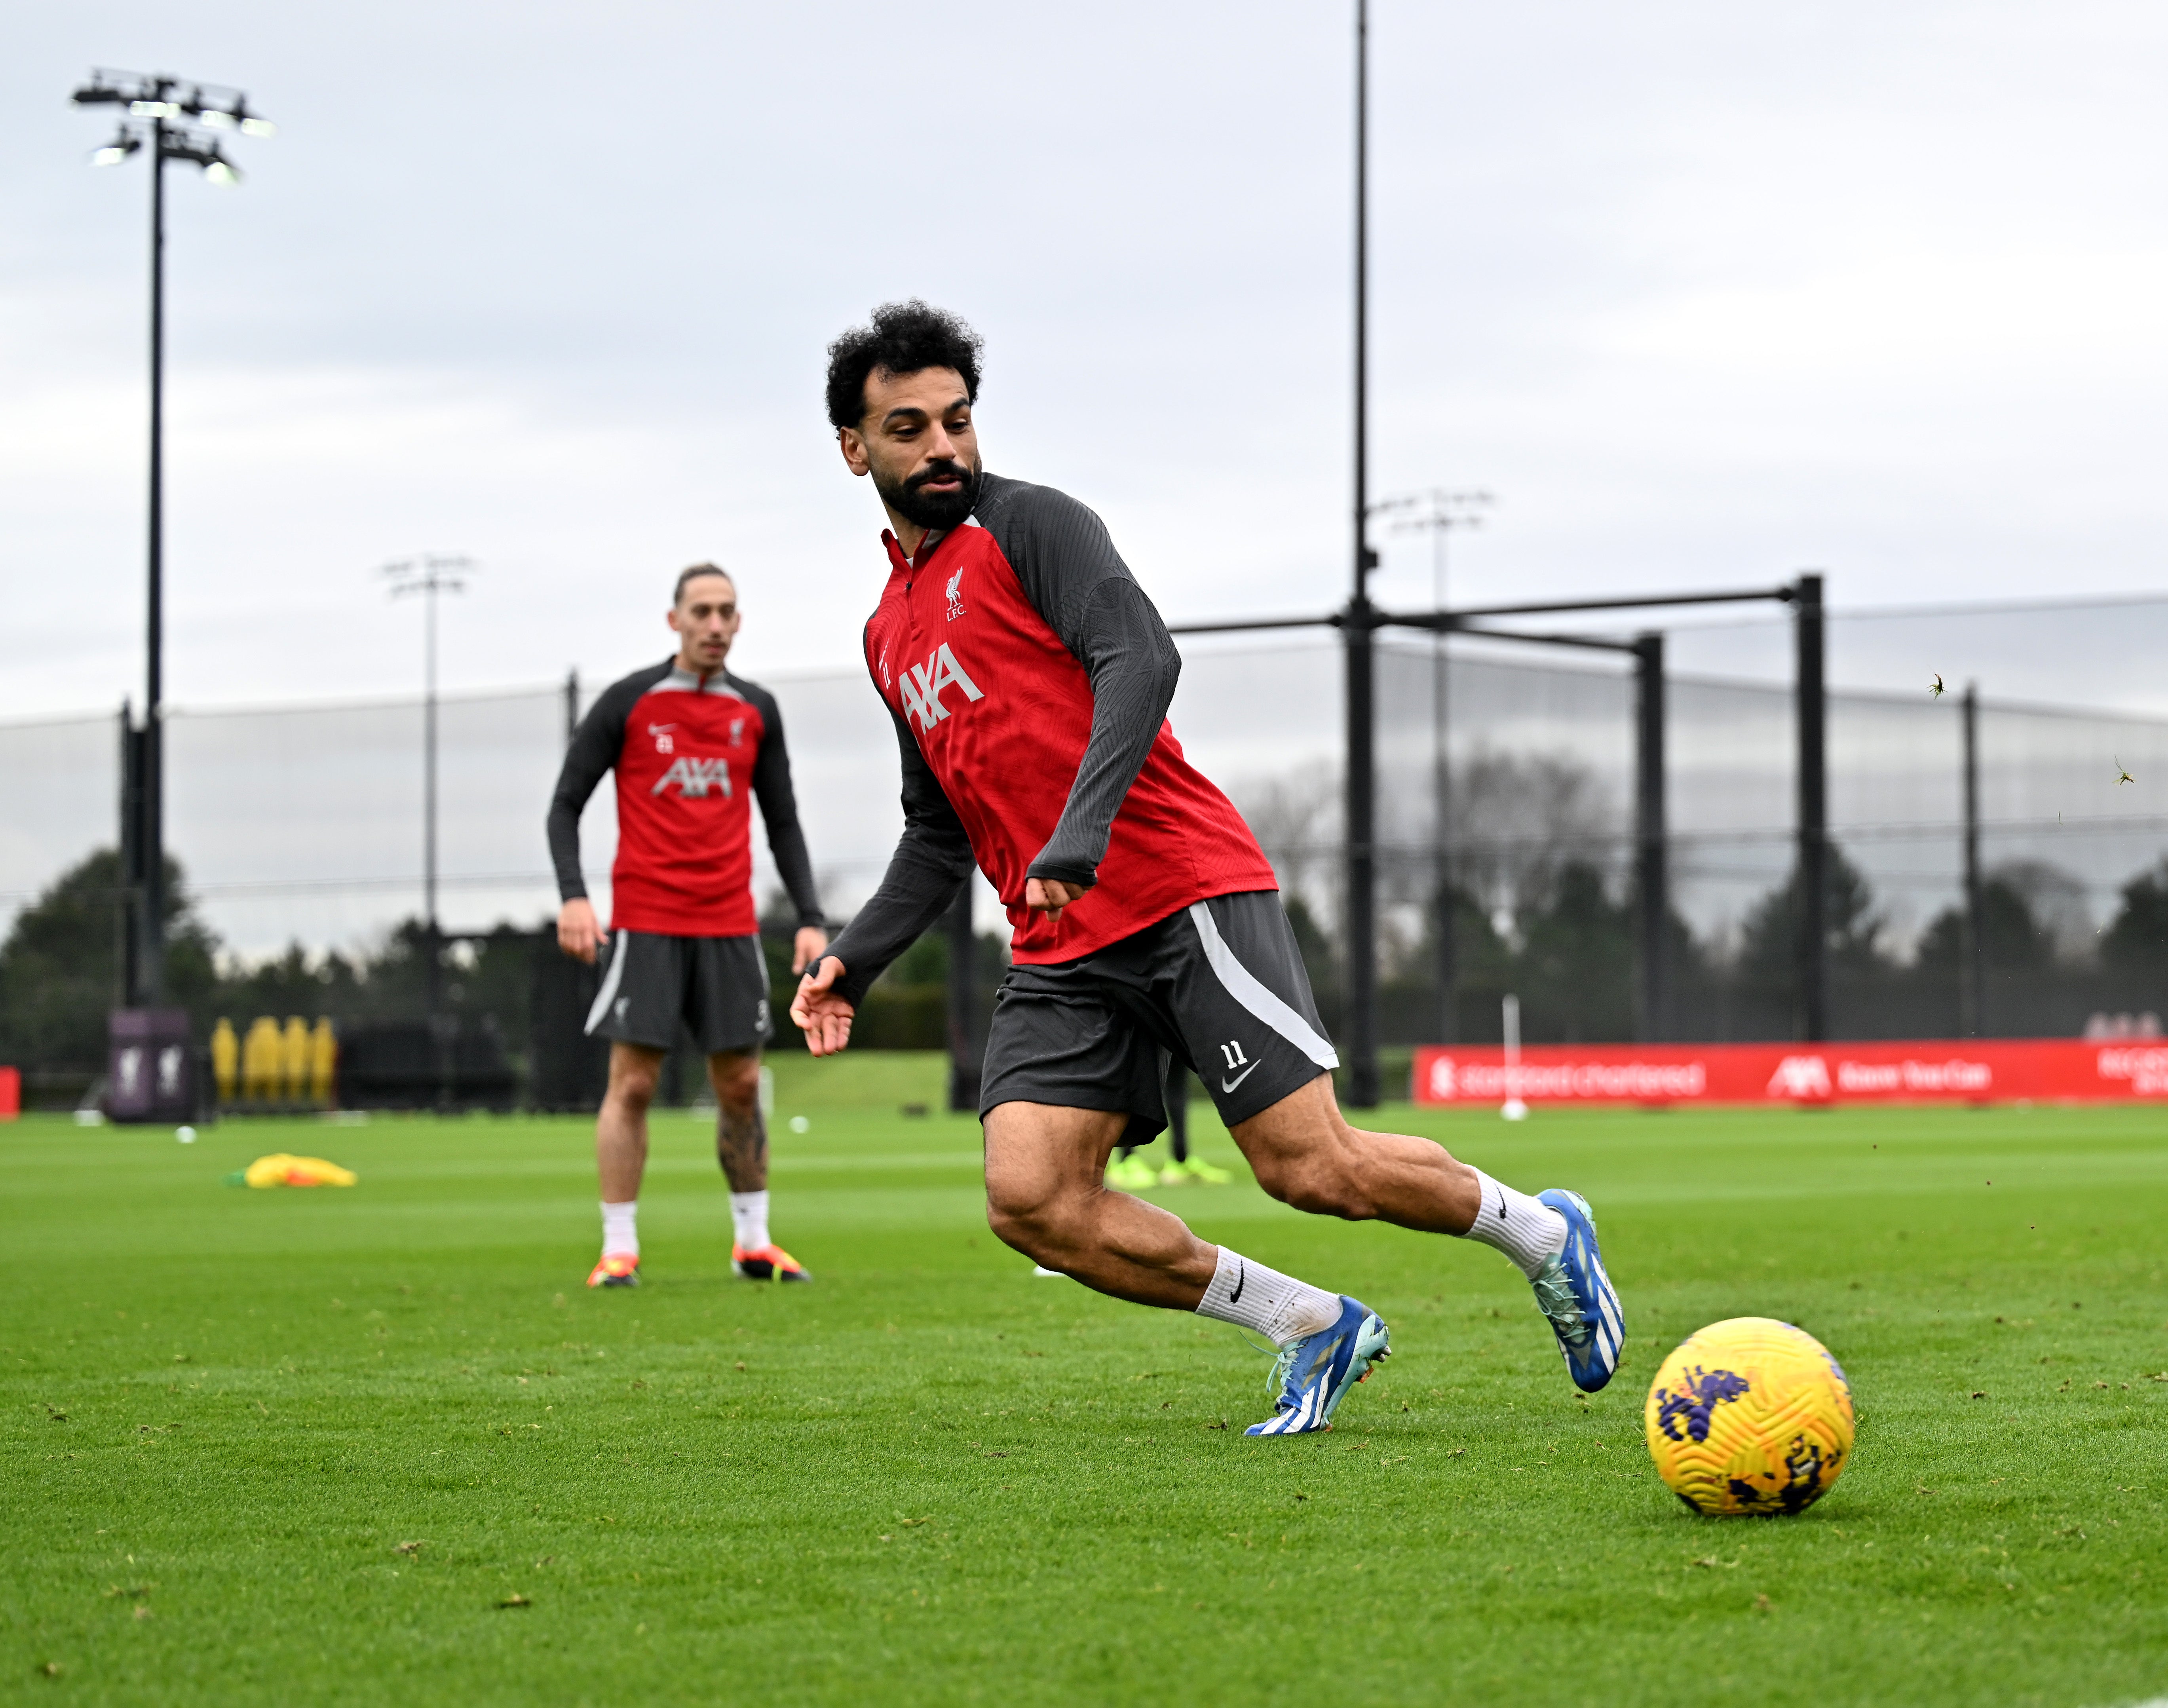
{"points": [[616, 1269], [771, 1263]]}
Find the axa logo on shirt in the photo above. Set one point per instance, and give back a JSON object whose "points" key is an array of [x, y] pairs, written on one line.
{"points": [[922, 683], [694, 778]]}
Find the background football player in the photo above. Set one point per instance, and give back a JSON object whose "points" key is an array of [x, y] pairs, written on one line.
{"points": [[694, 746]]}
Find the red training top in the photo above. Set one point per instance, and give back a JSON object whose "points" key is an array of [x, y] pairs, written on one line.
{"points": [[1002, 711], [690, 753]]}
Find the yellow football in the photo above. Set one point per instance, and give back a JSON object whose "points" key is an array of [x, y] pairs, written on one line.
{"points": [[1749, 1416]]}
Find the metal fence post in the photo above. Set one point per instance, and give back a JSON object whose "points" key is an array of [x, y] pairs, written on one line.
{"points": [[1972, 973], [1652, 892], [1812, 875]]}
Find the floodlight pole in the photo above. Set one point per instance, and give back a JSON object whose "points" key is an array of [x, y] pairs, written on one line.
{"points": [[429, 800], [1361, 1019], [163, 101], [1438, 513], [429, 575], [152, 962], [1447, 957]]}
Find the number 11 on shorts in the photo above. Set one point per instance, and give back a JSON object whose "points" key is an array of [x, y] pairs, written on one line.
{"points": [[1232, 1050]]}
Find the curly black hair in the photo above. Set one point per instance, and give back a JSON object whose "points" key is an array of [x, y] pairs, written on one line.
{"points": [[904, 337]]}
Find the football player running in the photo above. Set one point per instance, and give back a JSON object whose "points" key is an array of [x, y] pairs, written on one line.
{"points": [[693, 746], [1028, 678]]}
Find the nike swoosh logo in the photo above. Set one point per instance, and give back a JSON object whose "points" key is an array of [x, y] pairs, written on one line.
{"points": [[1229, 1085], [1240, 1281]]}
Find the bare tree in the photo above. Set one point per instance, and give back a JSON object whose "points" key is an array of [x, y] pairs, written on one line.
{"points": [[1296, 817], [1518, 818]]}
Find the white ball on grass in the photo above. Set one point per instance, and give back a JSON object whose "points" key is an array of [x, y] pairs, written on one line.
{"points": [[186, 1136]]}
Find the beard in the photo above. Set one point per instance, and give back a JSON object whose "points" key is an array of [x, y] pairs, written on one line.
{"points": [[932, 511]]}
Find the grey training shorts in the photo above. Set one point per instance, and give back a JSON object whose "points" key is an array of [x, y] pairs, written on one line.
{"points": [[1220, 985], [717, 986]]}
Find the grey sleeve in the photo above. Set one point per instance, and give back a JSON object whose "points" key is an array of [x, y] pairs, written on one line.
{"points": [[1072, 572], [594, 748], [779, 812], [931, 858]]}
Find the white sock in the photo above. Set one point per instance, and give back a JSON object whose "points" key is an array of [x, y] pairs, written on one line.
{"points": [[1277, 1306], [749, 1216], [620, 1238], [1529, 1233]]}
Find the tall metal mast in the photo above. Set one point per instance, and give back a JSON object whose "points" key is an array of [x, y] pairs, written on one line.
{"points": [[1361, 1022], [180, 114]]}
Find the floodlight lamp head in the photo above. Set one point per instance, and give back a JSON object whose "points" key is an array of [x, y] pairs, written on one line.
{"points": [[222, 172], [97, 93], [118, 150], [236, 116], [249, 124], [154, 109]]}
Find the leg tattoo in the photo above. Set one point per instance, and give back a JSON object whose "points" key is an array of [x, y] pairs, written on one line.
{"points": [[742, 1146]]}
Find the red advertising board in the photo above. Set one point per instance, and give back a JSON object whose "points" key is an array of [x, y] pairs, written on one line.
{"points": [[1936, 1071]]}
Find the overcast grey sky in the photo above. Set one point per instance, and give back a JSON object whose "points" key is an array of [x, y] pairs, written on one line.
{"points": [[1704, 294]]}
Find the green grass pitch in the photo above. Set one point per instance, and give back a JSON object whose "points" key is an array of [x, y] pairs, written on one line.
{"points": [[381, 1445]]}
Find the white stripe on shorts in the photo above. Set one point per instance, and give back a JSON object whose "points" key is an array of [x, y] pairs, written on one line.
{"points": [[610, 982], [1247, 989]]}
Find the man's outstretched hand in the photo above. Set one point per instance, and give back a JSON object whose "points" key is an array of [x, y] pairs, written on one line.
{"points": [[822, 1016], [1050, 895]]}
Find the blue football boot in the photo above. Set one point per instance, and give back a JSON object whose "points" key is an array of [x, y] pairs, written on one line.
{"points": [[1574, 1293], [1313, 1374]]}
